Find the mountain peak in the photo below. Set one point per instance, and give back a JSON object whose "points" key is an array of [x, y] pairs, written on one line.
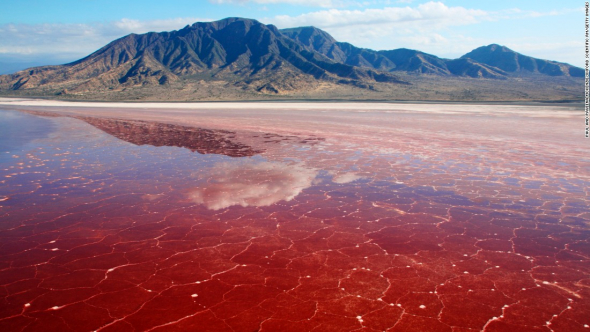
{"points": [[495, 48], [223, 23]]}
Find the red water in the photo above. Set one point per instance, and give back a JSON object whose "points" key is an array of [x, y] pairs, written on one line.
{"points": [[174, 228]]}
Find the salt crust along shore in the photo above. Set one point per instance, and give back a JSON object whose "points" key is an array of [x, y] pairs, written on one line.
{"points": [[440, 108]]}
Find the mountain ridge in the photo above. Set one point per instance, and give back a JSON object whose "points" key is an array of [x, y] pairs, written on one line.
{"points": [[403, 59]]}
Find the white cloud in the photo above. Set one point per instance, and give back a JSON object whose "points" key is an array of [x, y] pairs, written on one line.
{"points": [[517, 13], [311, 3], [315, 3], [136, 26], [418, 27], [252, 184], [79, 39], [424, 16]]}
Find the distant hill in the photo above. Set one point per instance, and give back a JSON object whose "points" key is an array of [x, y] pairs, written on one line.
{"points": [[512, 62], [238, 58]]}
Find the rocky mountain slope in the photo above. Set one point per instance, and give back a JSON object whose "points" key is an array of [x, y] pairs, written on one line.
{"points": [[239, 58]]}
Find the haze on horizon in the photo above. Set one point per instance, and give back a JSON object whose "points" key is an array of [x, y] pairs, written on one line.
{"points": [[60, 31]]}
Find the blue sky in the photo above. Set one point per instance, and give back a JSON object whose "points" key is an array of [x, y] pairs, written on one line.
{"points": [[34, 32]]}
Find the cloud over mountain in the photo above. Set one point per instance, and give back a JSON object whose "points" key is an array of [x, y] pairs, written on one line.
{"points": [[77, 38], [312, 3]]}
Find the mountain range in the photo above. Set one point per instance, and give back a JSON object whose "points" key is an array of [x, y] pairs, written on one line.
{"points": [[237, 58], [492, 61]]}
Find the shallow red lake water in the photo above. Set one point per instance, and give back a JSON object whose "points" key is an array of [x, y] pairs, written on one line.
{"points": [[118, 224]]}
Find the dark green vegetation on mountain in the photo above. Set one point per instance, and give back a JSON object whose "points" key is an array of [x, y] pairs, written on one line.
{"points": [[236, 59]]}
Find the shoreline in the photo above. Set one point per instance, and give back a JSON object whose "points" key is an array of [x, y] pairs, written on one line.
{"points": [[305, 105], [570, 103]]}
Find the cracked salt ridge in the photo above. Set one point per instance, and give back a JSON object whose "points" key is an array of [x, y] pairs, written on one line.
{"points": [[372, 253]]}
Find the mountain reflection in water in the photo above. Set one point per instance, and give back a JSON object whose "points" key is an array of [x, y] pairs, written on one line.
{"points": [[201, 140]]}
